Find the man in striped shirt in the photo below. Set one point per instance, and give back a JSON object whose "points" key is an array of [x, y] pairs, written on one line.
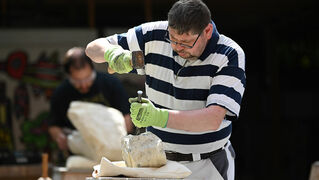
{"points": [[195, 80]]}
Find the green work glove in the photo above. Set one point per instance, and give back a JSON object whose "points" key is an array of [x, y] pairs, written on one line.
{"points": [[146, 114], [119, 59]]}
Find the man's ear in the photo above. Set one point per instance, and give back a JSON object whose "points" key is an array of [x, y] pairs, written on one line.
{"points": [[208, 31]]}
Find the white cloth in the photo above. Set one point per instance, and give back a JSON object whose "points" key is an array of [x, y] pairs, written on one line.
{"points": [[172, 169], [79, 163], [78, 146]]}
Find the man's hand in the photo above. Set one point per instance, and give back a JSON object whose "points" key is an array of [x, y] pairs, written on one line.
{"points": [[62, 141], [145, 114], [119, 59], [59, 137]]}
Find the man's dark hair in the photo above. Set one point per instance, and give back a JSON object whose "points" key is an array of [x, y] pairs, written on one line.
{"points": [[77, 59], [189, 16]]}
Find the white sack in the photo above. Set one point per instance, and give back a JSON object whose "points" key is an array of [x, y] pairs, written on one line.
{"points": [[79, 163], [172, 169], [101, 127], [78, 146]]}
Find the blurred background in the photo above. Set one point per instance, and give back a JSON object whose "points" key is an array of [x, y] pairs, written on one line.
{"points": [[276, 136]]}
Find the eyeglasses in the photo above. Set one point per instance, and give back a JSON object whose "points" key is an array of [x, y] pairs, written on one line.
{"points": [[181, 44], [82, 81]]}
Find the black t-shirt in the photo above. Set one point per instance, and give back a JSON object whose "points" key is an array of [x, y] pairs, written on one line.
{"points": [[106, 89]]}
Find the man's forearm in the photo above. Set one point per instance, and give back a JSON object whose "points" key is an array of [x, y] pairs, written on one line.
{"points": [[96, 49], [54, 131], [59, 137], [206, 119]]}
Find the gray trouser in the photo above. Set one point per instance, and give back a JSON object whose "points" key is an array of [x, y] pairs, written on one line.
{"points": [[221, 166]]}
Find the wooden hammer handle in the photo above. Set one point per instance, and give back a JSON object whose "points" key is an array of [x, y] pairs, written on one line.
{"points": [[44, 165]]}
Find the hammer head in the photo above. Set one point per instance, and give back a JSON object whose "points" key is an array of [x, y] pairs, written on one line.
{"points": [[138, 59]]}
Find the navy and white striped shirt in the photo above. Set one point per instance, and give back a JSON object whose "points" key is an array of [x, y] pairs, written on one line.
{"points": [[217, 77]]}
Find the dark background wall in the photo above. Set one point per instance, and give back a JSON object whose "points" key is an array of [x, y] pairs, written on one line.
{"points": [[276, 134]]}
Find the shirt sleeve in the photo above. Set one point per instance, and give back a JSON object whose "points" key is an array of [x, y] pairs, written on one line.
{"points": [[228, 85]]}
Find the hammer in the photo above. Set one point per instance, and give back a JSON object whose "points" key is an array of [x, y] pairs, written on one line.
{"points": [[139, 96], [137, 61], [44, 167]]}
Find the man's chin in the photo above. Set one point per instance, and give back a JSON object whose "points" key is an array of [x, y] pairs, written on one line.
{"points": [[187, 56], [83, 91], [183, 55]]}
